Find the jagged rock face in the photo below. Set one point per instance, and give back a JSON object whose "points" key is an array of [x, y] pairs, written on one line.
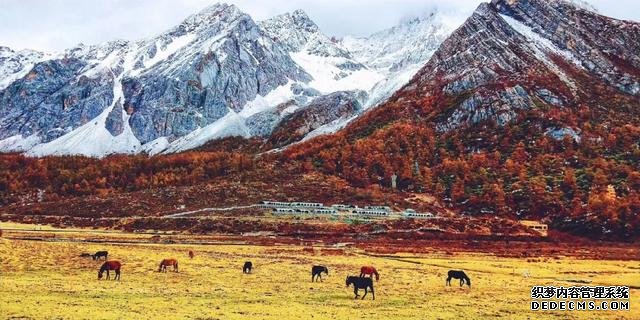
{"points": [[321, 111], [297, 32], [512, 56], [167, 86], [219, 73], [234, 63], [605, 47], [216, 74], [293, 30], [51, 98], [331, 67]]}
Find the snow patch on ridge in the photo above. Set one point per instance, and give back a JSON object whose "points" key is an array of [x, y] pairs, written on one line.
{"points": [[327, 77], [540, 44], [277, 96], [171, 48]]}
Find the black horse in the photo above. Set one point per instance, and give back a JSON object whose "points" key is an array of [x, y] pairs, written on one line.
{"points": [[361, 283], [453, 274], [247, 267], [316, 273], [100, 254]]}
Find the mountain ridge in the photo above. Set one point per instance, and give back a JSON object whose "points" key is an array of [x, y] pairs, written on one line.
{"points": [[512, 116], [146, 95]]}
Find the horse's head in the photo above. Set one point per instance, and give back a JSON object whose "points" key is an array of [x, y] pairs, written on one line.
{"points": [[468, 280], [326, 270], [99, 274], [349, 281]]}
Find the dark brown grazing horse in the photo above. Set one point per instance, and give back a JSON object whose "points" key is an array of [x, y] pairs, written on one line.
{"points": [[316, 272], [361, 283], [110, 265], [456, 274], [168, 263], [99, 254], [369, 270], [191, 254], [247, 267]]}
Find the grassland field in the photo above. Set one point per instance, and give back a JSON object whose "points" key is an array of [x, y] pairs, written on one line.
{"points": [[49, 280]]}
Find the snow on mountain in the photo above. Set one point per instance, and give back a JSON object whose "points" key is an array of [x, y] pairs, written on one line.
{"points": [[93, 138], [378, 65], [126, 94], [297, 32], [216, 74], [331, 67], [231, 125], [331, 74], [18, 143], [399, 52], [15, 65], [412, 41], [512, 58]]}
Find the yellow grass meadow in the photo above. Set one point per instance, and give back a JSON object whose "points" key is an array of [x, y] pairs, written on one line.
{"points": [[48, 280]]}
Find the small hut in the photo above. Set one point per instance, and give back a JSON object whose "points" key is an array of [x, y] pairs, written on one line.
{"points": [[539, 227]]}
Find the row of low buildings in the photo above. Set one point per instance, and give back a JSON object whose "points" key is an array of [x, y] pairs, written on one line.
{"points": [[367, 212]]}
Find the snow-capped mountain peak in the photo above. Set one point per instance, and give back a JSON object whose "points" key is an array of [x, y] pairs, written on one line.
{"points": [[411, 42], [297, 32], [216, 74], [212, 15]]}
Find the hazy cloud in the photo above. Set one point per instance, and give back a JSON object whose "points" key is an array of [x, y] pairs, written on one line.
{"points": [[59, 24]]}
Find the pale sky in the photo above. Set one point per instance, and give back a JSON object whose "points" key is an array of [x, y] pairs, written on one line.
{"points": [[53, 25]]}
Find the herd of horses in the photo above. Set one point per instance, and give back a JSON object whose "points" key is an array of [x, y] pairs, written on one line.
{"points": [[362, 281]]}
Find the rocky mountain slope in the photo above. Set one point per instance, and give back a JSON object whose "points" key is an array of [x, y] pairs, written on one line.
{"points": [[511, 57], [529, 109], [372, 68], [217, 74], [124, 95]]}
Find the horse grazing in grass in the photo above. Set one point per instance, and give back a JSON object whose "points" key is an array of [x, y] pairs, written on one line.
{"points": [[110, 265], [100, 254], [454, 274], [316, 272], [361, 283], [191, 254], [247, 267], [369, 270], [168, 263]]}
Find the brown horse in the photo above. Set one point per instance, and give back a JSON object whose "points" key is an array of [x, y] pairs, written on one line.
{"points": [[191, 254], [369, 270], [110, 265], [168, 263]]}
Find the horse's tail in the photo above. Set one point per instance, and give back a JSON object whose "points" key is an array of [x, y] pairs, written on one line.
{"points": [[377, 275], [160, 267], [176, 264]]}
